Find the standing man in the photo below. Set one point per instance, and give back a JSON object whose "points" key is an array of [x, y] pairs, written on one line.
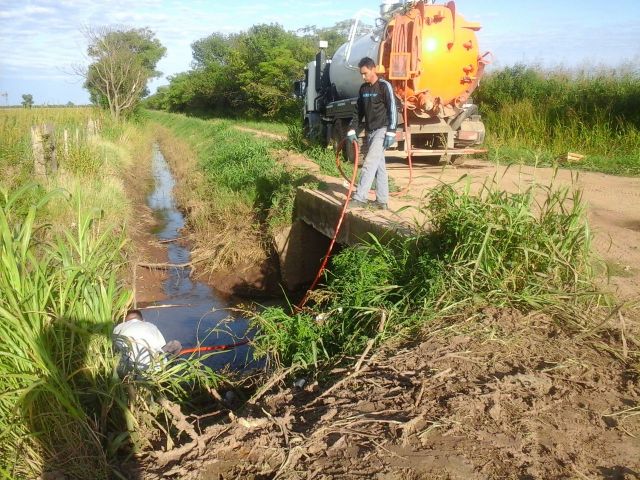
{"points": [[377, 104]]}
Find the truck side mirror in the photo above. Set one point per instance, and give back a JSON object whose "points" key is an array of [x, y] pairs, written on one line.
{"points": [[298, 88]]}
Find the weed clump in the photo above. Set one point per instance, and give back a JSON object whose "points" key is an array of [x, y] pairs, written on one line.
{"points": [[323, 157], [529, 250], [511, 249]]}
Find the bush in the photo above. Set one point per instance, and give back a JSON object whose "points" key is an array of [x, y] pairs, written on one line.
{"points": [[537, 115], [529, 250]]}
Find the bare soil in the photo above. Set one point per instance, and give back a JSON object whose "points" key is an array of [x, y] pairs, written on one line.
{"points": [[247, 280], [147, 283], [492, 395]]}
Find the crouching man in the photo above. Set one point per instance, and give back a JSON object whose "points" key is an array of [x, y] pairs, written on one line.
{"points": [[141, 344]]}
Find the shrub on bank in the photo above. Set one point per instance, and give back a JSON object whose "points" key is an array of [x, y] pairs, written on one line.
{"points": [[529, 250]]}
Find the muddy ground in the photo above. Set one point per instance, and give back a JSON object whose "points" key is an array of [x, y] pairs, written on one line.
{"points": [[145, 282], [489, 394]]}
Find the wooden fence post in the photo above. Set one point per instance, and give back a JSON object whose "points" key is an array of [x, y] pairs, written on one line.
{"points": [[37, 147], [66, 143], [44, 150], [49, 138], [92, 129]]}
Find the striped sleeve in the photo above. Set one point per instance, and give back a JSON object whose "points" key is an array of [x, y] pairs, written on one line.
{"points": [[392, 110]]}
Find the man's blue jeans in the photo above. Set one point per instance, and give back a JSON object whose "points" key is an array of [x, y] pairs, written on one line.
{"points": [[374, 168]]}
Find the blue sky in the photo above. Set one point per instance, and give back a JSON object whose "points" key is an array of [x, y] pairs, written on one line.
{"points": [[41, 40]]}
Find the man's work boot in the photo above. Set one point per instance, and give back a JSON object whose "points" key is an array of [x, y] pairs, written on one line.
{"points": [[353, 203], [379, 206]]}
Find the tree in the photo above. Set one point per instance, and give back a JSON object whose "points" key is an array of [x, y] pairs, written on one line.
{"points": [[123, 63], [335, 36], [27, 100], [214, 49], [249, 73], [271, 58]]}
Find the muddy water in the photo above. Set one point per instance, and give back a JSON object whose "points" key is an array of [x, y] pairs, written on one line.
{"points": [[202, 316]]}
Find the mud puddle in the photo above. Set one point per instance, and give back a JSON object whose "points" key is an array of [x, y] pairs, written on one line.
{"points": [[192, 312]]}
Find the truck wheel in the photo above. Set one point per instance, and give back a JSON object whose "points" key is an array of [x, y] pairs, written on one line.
{"points": [[339, 133]]}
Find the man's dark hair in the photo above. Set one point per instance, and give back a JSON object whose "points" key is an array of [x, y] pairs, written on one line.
{"points": [[367, 62], [134, 314]]}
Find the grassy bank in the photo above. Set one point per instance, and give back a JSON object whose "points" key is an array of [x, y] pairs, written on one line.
{"points": [[231, 185], [535, 116], [496, 249], [64, 246]]}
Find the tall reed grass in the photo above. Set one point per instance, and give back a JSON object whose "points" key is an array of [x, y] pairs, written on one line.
{"points": [[58, 301], [63, 407], [536, 115]]}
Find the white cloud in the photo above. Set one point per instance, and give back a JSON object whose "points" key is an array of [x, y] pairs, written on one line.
{"points": [[25, 12], [42, 38]]}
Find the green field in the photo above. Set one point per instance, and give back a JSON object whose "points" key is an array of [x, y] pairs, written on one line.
{"points": [[536, 116]]}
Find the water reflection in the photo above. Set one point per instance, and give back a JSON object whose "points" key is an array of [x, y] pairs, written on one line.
{"points": [[205, 316]]}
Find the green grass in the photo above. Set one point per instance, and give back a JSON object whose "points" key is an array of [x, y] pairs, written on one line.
{"points": [[63, 406], [232, 160], [15, 148], [529, 250], [324, 157], [238, 167], [90, 168], [278, 128], [535, 116]]}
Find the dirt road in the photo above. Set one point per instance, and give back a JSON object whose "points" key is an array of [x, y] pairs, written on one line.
{"points": [[613, 204]]}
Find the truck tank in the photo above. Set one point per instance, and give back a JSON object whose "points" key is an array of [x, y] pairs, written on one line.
{"points": [[344, 71], [428, 52]]}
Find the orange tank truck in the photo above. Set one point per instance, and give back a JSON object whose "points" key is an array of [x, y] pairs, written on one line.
{"points": [[430, 54]]}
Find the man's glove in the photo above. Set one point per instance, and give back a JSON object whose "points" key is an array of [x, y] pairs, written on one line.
{"points": [[389, 139], [351, 136]]}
